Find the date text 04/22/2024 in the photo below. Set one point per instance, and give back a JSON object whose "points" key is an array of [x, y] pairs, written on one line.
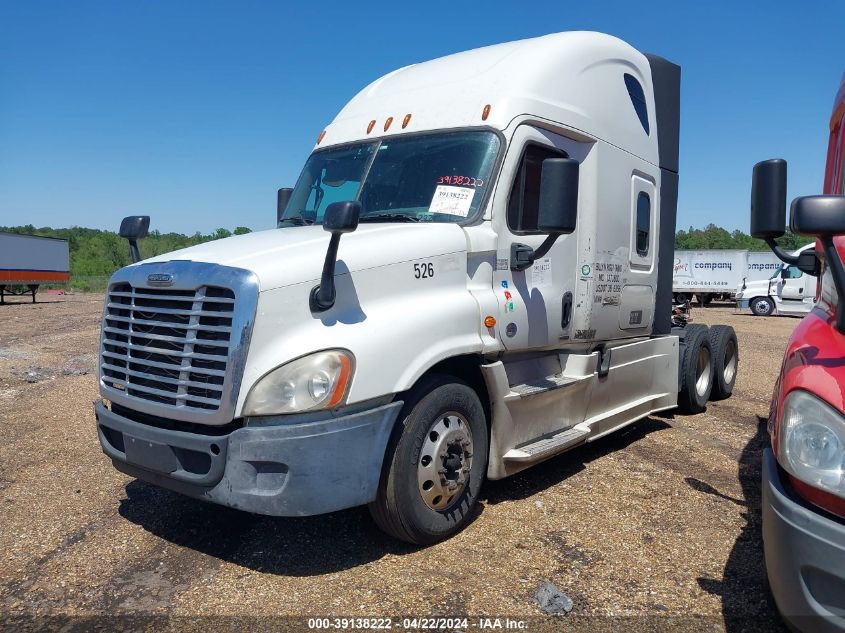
{"points": [[414, 624]]}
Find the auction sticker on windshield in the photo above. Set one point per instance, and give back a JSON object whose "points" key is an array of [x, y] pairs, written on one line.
{"points": [[450, 200]]}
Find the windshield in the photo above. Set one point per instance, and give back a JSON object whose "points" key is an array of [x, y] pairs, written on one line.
{"points": [[426, 178]]}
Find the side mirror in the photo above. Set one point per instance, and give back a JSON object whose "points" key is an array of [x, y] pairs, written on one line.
{"points": [[824, 217], [558, 210], [340, 218], [282, 199], [818, 215], [768, 199], [134, 228]]}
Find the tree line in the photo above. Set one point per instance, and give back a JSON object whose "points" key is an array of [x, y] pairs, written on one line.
{"points": [[96, 254]]}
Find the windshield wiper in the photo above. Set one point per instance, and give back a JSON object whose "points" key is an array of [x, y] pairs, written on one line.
{"points": [[388, 217], [298, 220]]}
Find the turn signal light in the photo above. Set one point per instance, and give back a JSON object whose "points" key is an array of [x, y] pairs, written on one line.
{"points": [[489, 321]]}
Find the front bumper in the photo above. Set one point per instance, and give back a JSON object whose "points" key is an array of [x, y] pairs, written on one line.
{"points": [[805, 557], [743, 303], [292, 469]]}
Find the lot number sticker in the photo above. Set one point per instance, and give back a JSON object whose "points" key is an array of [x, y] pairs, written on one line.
{"points": [[451, 200]]}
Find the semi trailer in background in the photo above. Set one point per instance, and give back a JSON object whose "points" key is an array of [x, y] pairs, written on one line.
{"points": [[716, 274], [27, 261]]}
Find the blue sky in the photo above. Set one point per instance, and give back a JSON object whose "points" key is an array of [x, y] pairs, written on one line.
{"points": [[196, 112]]}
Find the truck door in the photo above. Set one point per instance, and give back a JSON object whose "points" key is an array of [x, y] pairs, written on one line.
{"points": [[792, 284], [535, 304]]}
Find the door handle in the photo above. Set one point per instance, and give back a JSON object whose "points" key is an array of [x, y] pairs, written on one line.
{"points": [[566, 310]]}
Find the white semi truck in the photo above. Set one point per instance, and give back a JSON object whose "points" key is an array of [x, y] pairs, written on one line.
{"points": [[788, 291], [715, 274], [472, 274]]}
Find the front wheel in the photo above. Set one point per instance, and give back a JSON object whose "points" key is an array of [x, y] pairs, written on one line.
{"points": [[762, 306], [435, 465]]}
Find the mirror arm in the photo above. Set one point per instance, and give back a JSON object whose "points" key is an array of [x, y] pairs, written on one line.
{"points": [[546, 245], [134, 253], [323, 295], [838, 272], [782, 255]]}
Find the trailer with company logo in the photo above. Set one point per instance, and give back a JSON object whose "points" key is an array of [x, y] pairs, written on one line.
{"points": [[716, 274], [27, 261]]}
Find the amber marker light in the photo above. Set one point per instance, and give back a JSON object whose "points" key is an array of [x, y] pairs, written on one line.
{"points": [[489, 321], [406, 120], [343, 380], [371, 126], [485, 112], [321, 137], [387, 123]]}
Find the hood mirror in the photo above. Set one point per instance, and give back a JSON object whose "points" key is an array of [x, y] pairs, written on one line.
{"points": [[134, 228], [340, 218]]}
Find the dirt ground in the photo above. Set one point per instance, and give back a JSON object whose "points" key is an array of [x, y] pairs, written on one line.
{"points": [[656, 526]]}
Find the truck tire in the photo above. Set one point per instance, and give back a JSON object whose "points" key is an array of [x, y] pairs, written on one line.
{"points": [[725, 350], [762, 306], [435, 463], [696, 368]]}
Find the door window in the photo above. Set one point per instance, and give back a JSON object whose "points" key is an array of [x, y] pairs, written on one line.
{"points": [[791, 272], [524, 201], [643, 223]]}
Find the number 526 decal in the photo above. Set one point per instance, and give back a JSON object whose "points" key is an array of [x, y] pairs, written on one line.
{"points": [[424, 270]]}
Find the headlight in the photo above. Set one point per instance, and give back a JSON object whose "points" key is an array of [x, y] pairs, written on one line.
{"points": [[811, 444], [316, 381]]}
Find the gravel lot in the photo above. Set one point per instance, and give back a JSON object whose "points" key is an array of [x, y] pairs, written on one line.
{"points": [[656, 526]]}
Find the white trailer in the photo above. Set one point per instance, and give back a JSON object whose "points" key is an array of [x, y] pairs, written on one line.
{"points": [[472, 274], [31, 260], [715, 274], [787, 291]]}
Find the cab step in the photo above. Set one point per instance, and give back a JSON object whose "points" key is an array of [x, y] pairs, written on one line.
{"points": [[549, 445], [541, 385]]}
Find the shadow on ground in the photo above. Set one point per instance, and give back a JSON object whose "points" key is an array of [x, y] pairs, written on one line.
{"points": [[553, 471], [291, 546], [746, 602], [308, 546]]}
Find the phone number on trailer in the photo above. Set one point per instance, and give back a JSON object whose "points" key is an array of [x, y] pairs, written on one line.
{"points": [[388, 623]]}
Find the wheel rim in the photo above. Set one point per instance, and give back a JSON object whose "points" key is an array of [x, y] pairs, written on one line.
{"points": [[730, 362], [445, 461], [702, 372], [762, 307]]}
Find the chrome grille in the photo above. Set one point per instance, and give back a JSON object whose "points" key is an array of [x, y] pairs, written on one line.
{"points": [[168, 346]]}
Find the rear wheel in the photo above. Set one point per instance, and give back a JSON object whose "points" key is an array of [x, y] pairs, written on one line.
{"points": [[725, 350], [435, 463], [762, 306], [696, 369]]}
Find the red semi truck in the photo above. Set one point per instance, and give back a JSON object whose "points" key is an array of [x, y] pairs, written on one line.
{"points": [[804, 466]]}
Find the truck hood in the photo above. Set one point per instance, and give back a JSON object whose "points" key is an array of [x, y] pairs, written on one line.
{"points": [[753, 288], [294, 254]]}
